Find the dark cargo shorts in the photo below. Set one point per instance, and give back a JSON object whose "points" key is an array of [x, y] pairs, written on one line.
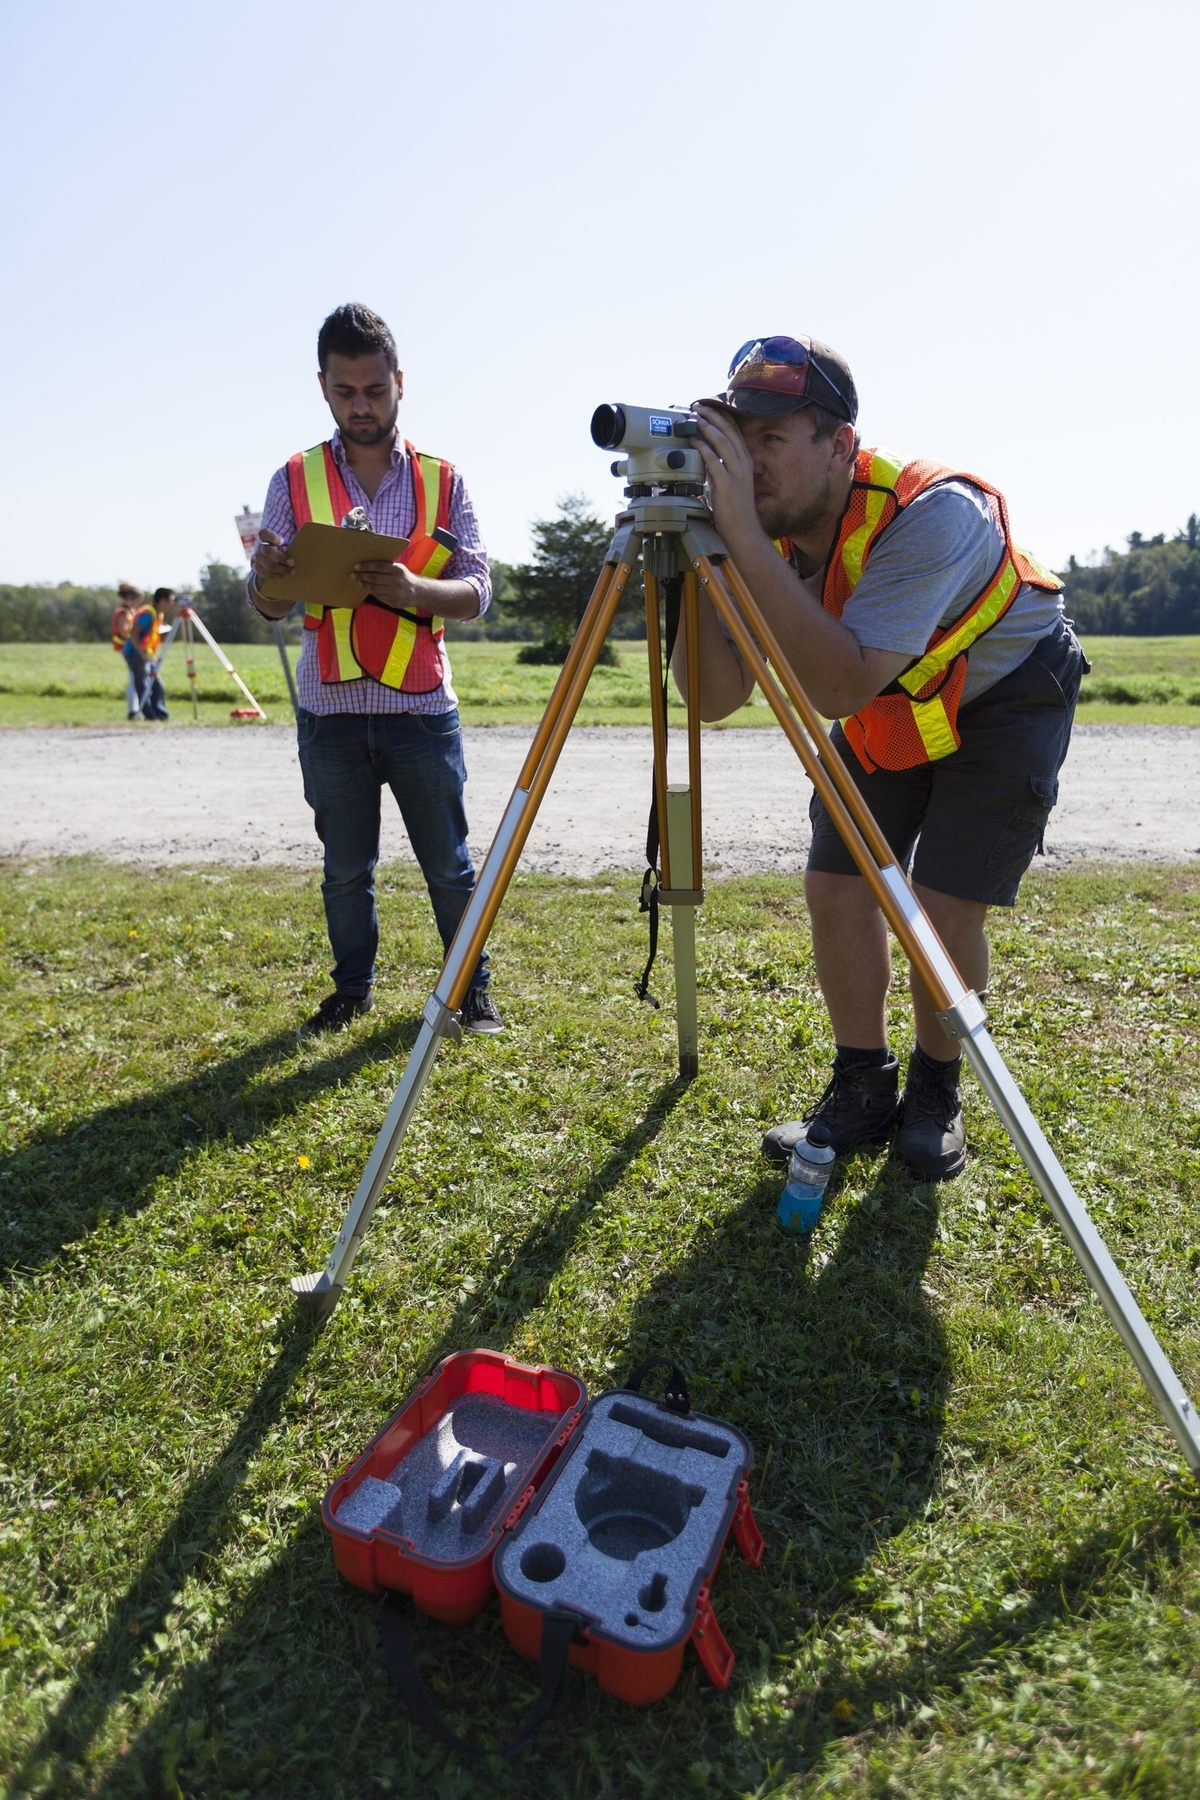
{"points": [[976, 817]]}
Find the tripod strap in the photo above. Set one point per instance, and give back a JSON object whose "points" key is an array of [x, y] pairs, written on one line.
{"points": [[652, 879]]}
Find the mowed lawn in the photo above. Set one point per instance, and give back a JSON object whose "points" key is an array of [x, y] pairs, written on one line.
{"points": [[981, 1574], [1134, 681]]}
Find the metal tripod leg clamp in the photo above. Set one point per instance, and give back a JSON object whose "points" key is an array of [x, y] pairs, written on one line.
{"points": [[964, 1019]]}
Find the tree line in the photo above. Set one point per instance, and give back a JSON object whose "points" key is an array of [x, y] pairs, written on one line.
{"points": [[1149, 589]]}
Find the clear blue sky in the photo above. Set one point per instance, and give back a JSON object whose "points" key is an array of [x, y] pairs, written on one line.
{"points": [[991, 212]]}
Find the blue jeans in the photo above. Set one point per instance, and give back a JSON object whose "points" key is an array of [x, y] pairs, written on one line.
{"points": [[152, 701], [347, 759]]}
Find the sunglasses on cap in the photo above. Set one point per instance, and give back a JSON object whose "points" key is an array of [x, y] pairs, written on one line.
{"points": [[782, 365]]}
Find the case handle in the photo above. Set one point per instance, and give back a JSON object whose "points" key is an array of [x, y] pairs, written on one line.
{"points": [[558, 1632], [676, 1398]]}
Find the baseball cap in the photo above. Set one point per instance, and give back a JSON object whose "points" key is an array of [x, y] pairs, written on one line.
{"points": [[781, 374]]}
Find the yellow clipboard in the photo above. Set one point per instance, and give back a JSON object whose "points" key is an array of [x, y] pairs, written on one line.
{"points": [[325, 556]]}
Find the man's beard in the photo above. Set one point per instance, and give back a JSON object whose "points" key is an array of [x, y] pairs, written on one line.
{"points": [[366, 435], [778, 519]]}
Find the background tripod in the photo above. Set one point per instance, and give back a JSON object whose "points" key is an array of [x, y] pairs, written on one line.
{"points": [[187, 623], [669, 529]]}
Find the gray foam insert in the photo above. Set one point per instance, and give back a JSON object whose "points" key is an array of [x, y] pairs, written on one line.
{"points": [[455, 1482], [631, 1521]]}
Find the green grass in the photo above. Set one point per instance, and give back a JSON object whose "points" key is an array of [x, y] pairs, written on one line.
{"points": [[982, 1575], [1135, 681]]}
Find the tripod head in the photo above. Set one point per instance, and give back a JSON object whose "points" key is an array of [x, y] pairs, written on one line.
{"points": [[654, 440]]}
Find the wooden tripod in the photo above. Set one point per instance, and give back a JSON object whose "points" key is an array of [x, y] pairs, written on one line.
{"points": [[672, 535]]}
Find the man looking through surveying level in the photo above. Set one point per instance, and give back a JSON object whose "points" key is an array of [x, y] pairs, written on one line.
{"points": [[376, 705], [907, 612]]}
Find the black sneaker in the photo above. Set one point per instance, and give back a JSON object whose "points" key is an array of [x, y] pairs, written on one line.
{"points": [[858, 1107], [335, 1012], [479, 1013], [931, 1142]]}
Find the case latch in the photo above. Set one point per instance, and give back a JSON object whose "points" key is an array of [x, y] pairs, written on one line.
{"points": [[711, 1646]]}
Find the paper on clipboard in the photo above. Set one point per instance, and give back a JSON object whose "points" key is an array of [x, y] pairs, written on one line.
{"points": [[325, 556]]}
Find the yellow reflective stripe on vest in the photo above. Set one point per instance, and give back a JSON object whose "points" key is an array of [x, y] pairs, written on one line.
{"points": [[931, 720], [431, 477], [316, 483], [855, 547], [400, 654], [957, 640], [338, 620], [884, 473]]}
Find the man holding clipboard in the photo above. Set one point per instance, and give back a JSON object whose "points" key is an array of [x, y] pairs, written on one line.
{"points": [[376, 704]]}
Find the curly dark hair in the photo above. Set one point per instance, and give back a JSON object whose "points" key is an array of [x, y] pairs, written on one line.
{"points": [[354, 330]]}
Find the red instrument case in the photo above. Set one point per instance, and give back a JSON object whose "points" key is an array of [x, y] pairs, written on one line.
{"points": [[602, 1526], [424, 1506]]}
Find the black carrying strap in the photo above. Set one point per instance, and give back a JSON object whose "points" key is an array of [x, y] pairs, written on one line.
{"points": [[651, 880], [558, 1631], [676, 1399]]}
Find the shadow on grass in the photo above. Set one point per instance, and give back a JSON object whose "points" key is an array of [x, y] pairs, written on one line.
{"points": [[830, 1358], [64, 1183], [253, 1709], [193, 1537]]}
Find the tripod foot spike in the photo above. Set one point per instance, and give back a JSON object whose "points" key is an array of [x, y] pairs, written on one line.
{"points": [[316, 1293]]}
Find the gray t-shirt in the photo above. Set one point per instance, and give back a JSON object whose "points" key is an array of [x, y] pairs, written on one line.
{"points": [[926, 569]]}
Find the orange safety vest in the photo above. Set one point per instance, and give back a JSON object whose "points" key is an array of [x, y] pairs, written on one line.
{"points": [[400, 649], [122, 619], [147, 642], [914, 720]]}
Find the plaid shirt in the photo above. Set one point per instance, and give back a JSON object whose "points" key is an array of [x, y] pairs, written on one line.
{"points": [[393, 513]]}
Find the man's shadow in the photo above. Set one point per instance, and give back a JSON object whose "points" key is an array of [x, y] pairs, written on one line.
{"points": [[826, 1353], [63, 1183], [297, 1611]]}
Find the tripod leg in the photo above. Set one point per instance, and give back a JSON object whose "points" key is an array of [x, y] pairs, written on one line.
{"points": [[683, 934], [678, 810], [190, 645], [961, 1010], [320, 1293], [224, 661]]}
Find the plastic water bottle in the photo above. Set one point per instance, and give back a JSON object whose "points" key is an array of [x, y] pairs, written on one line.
{"points": [[809, 1169]]}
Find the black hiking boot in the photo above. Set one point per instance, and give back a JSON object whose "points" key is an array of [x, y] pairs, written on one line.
{"points": [[335, 1012], [931, 1142], [858, 1107]]}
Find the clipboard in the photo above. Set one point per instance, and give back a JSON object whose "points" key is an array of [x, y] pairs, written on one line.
{"points": [[325, 556]]}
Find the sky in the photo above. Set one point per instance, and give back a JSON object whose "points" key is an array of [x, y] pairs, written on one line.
{"points": [[990, 212]]}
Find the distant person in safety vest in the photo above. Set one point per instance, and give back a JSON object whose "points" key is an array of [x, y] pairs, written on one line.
{"points": [[145, 698], [128, 599], [376, 704], [909, 614]]}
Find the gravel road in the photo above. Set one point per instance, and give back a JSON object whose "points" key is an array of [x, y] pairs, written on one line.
{"points": [[162, 794]]}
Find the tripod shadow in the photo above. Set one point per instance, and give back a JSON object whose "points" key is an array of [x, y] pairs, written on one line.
{"points": [[300, 1610], [831, 1359], [826, 1352], [194, 1535], [62, 1184], [487, 1318]]}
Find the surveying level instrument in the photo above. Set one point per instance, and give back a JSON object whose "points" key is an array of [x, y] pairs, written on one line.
{"points": [[668, 529]]}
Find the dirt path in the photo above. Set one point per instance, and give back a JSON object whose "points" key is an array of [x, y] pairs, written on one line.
{"points": [[175, 793]]}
